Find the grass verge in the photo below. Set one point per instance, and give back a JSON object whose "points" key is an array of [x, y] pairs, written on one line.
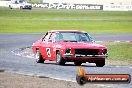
{"points": [[41, 20], [120, 52]]}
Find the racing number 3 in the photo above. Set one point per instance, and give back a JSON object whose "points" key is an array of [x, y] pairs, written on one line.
{"points": [[48, 52]]}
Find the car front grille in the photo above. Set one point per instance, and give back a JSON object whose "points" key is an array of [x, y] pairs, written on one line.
{"points": [[87, 51]]}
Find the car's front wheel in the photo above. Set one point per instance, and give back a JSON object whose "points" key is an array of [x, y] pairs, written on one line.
{"points": [[59, 59], [100, 63], [38, 57]]}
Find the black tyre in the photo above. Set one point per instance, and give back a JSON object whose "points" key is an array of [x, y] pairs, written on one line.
{"points": [[59, 59], [38, 57], [100, 63], [77, 63]]}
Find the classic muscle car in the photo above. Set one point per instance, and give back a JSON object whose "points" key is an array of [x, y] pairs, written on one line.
{"points": [[69, 46]]}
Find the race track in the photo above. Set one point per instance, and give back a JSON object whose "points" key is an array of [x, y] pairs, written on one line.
{"points": [[27, 66]]}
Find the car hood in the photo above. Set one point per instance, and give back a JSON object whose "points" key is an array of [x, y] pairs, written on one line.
{"points": [[81, 45]]}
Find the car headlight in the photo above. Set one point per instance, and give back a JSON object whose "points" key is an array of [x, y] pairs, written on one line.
{"points": [[68, 50], [104, 51]]}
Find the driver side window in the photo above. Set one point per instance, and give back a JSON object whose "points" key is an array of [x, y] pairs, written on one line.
{"points": [[52, 37]]}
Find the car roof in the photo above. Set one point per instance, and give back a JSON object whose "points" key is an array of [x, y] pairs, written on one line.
{"points": [[64, 31]]}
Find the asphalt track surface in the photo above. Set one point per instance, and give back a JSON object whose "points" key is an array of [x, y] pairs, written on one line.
{"points": [[28, 66]]}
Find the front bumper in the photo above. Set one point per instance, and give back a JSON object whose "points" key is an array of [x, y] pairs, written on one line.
{"points": [[84, 56]]}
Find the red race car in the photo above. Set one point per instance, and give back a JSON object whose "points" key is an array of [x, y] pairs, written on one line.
{"points": [[69, 46]]}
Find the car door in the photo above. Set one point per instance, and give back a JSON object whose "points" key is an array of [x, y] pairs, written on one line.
{"points": [[51, 50], [45, 47]]}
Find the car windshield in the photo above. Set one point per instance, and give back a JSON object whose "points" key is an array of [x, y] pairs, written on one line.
{"points": [[72, 37]]}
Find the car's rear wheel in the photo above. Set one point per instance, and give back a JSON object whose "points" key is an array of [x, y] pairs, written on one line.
{"points": [[100, 63], [38, 57], [77, 63], [59, 59]]}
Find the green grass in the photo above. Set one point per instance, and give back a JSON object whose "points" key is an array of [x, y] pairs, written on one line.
{"points": [[120, 52], [41, 20]]}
